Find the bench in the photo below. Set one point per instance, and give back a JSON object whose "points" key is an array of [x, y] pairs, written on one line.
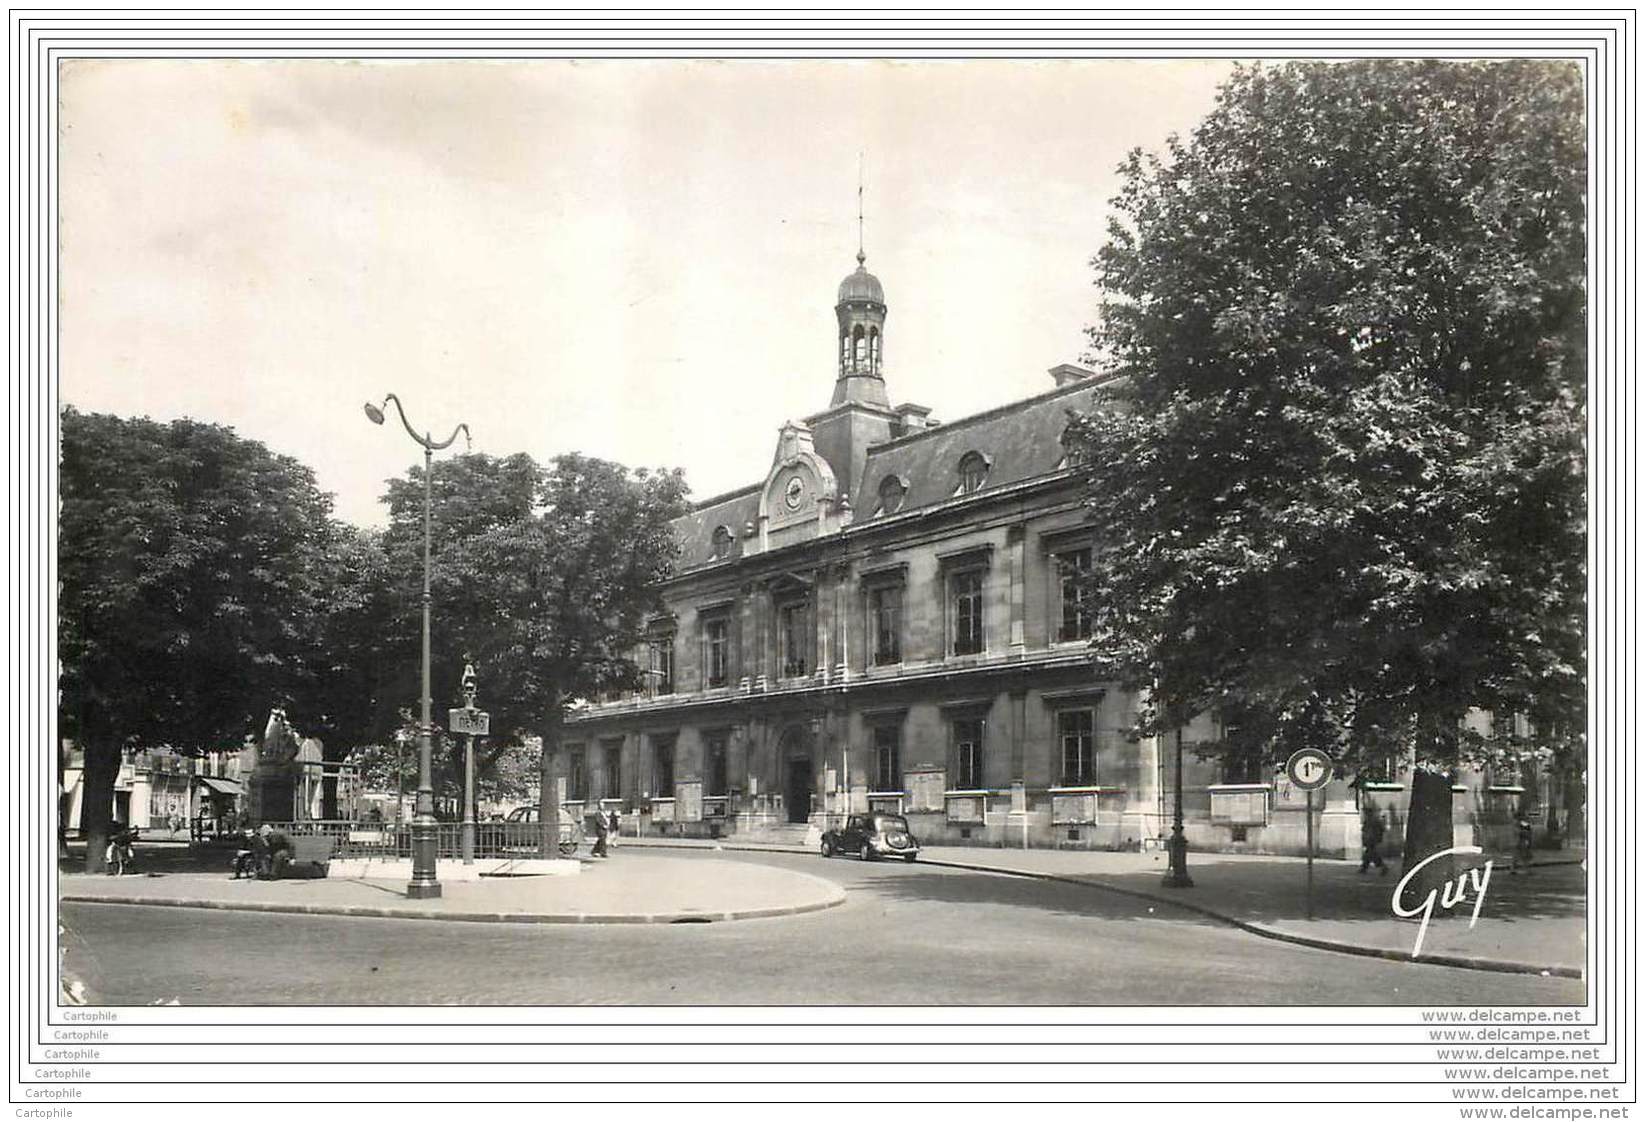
{"points": [[314, 851]]}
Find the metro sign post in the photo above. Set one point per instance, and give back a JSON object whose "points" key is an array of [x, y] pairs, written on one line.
{"points": [[1309, 769], [469, 722]]}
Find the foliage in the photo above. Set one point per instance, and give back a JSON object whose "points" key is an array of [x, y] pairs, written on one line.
{"points": [[1338, 492], [190, 563], [542, 577]]}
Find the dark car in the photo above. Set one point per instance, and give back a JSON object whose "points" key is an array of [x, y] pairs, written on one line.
{"points": [[871, 836]]}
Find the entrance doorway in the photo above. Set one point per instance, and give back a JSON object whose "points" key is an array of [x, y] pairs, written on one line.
{"points": [[797, 789]]}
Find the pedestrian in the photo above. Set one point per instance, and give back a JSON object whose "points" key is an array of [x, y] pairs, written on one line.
{"points": [[1522, 847], [600, 833], [616, 826], [1371, 831]]}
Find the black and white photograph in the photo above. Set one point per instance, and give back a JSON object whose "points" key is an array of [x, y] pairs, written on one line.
{"points": [[824, 536]]}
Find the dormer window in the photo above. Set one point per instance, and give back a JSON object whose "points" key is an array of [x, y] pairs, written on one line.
{"points": [[892, 493], [973, 473], [722, 542]]}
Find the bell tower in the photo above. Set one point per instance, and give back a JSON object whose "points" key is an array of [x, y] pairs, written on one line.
{"points": [[860, 314], [860, 415]]}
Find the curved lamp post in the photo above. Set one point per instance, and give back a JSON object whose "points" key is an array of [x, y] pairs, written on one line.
{"points": [[425, 831]]}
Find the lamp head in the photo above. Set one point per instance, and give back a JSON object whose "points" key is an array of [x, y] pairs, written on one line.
{"points": [[374, 413]]}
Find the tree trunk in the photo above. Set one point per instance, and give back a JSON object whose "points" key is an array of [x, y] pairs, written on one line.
{"points": [[1427, 831], [102, 768], [548, 770], [328, 784], [1576, 806]]}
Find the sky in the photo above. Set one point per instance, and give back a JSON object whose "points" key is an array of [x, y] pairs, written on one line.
{"points": [[633, 260]]}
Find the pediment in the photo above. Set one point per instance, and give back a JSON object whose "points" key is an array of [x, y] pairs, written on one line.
{"points": [[800, 485]]}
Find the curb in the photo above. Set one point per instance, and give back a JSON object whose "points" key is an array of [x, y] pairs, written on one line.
{"points": [[1465, 962], [834, 899]]}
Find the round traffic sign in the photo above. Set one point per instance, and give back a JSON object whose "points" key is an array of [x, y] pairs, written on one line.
{"points": [[1309, 769]]}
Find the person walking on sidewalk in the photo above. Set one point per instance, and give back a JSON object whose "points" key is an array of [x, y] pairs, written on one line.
{"points": [[1522, 847], [600, 833], [616, 826], [1371, 831]]}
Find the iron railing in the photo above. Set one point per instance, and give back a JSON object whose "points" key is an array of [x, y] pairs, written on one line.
{"points": [[391, 840]]}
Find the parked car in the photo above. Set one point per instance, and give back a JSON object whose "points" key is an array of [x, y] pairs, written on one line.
{"points": [[571, 831], [871, 836]]}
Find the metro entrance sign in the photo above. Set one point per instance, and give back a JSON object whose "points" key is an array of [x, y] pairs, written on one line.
{"points": [[471, 722], [1309, 769]]}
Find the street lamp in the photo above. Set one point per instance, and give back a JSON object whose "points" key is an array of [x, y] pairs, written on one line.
{"points": [[1177, 875], [425, 831]]}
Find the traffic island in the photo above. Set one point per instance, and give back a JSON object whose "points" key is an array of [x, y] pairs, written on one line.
{"points": [[350, 868], [627, 889]]}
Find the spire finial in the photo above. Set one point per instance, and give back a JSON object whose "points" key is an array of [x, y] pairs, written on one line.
{"points": [[862, 258]]}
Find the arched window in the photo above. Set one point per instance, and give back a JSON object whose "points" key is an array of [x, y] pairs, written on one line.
{"points": [[859, 352], [973, 473], [874, 349], [845, 349], [722, 542], [892, 493]]}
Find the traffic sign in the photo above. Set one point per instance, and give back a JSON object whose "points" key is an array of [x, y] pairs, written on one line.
{"points": [[474, 722], [1309, 769]]}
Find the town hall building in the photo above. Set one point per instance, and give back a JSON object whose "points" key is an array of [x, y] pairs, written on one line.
{"points": [[886, 620]]}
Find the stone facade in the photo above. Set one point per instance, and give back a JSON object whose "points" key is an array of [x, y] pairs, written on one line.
{"points": [[884, 621]]}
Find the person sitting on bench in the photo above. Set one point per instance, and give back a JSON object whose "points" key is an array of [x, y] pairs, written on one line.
{"points": [[245, 857], [272, 850]]}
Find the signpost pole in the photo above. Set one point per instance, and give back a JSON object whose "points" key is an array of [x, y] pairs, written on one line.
{"points": [[471, 722], [1310, 895], [468, 800], [1309, 769]]}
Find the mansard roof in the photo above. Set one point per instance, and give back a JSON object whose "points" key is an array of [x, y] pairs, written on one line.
{"points": [[695, 529], [1019, 441]]}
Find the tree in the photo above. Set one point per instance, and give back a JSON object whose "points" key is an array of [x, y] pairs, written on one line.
{"points": [[187, 566], [1339, 490], [348, 698], [543, 577]]}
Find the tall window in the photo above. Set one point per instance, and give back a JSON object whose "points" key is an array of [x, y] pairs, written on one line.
{"points": [[968, 753], [716, 651], [887, 758], [885, 624], [613, 769], [1075, 728], [576, 780], [1072, 568], [662, 664], [714, 769], [794, 637], [662, 767], [965, 600]]}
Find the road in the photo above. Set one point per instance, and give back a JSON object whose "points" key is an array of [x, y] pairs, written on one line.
{"points": [[907, 935]]}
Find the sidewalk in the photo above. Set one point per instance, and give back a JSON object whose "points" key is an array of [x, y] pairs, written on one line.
{"points": [[630, 888], [1533, 923]]}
